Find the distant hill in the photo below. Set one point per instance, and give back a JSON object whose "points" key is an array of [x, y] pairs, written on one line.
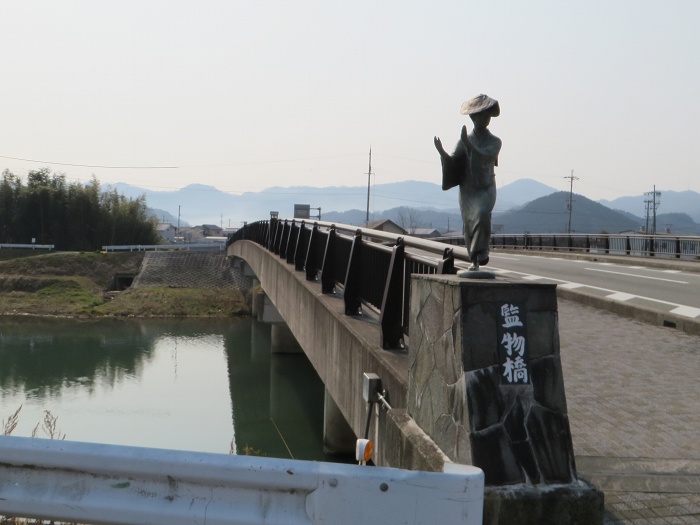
{"points": [[670, 202], [164, 216], [203, 204], [550, 215], [520, 192]]}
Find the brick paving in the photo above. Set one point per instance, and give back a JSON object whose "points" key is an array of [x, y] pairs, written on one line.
{"points": [[633, 395]]}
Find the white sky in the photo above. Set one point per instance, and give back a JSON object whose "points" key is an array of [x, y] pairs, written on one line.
{"points": [[244, 95]]}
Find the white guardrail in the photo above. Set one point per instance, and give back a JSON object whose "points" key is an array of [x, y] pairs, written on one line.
{"points": [[117, 485], [217, 245]]}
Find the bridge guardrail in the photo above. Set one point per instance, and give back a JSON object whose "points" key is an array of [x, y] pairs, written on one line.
{"points": [[373, 267], [117, 485], [668, 246]]}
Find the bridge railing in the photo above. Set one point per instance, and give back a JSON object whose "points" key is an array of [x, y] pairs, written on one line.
{"points": [[669, 246], [374, 268]]}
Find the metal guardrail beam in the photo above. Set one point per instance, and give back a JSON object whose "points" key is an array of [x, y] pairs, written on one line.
{"points": [[116, 485], [669, 246], [29, 246], [218, 245]]}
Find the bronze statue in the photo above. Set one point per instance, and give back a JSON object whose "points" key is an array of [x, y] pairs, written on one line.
{"points": [[471, 167]]}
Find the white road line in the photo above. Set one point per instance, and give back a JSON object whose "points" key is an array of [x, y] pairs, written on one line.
{"points": [[686, 311], [671, 271], [636, 275], [568, 284], [532, 278], [620, 296], [495, 257]]}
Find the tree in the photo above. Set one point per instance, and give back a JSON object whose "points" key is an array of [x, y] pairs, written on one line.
{"points": [[71, 216], [409, 219]]}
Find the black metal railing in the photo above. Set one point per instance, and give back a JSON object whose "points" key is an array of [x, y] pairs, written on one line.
{"points": [[374, 268], [668, 246]]}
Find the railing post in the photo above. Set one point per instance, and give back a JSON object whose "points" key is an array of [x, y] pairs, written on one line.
{"points": [[291, 243], [652, 247], [271, 230], [284, 237], [628, 245], [311, 263], [392, 302], [328, 267], [447, 265], [678, 248], [606, 243], [588, 244], [300, 249], [353, 278]]}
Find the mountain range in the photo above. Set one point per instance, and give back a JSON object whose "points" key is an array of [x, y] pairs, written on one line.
{"points": [[523, 205]]}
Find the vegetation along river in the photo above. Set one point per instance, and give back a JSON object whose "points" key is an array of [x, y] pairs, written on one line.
{"points": [[207, 385]]}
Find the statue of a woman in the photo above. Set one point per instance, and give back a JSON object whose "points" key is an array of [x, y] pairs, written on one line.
{"points": [[471, 167]]}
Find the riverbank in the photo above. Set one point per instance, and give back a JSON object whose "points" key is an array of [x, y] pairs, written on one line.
{"points": [[82, 285]]}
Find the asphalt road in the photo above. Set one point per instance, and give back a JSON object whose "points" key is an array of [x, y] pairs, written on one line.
{"points": [[672, 289]]}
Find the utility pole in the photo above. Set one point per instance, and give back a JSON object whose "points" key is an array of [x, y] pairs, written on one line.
{"points": [[654, 205], [369, 180], [647, 207], [570, 204], [177, 234]]}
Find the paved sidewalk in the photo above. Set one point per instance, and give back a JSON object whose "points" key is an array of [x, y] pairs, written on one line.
{"points": [[633, 395]]}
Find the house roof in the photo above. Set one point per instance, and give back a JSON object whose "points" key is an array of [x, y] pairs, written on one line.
{"points": [[381, 225]]}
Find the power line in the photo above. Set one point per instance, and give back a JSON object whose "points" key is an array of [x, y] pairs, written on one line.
{"points": [[92, 165]]}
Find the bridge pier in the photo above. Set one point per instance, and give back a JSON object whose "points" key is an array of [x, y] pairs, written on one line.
{"points": [[486, 384], [338, 437]]}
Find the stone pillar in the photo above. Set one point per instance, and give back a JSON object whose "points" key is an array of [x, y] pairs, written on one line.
{"points": [[282, 340], [485, 382], [338, 437]]}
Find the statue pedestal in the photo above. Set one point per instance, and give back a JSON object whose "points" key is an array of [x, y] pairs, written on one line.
{"points": [[485, 382]]}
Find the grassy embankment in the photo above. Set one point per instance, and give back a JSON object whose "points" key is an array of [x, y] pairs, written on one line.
{"points": [[77, 285]]}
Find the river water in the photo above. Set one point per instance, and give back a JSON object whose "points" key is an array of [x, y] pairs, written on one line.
{"points": [[186, 384]]}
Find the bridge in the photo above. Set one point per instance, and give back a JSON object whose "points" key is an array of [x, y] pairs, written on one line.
{"points": [[359, 301]]}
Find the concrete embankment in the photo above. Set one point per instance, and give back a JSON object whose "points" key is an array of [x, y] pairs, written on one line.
{"points": [[195, 269]]}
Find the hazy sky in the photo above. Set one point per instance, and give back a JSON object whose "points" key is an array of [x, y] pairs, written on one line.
{"points": [[244, 95]]}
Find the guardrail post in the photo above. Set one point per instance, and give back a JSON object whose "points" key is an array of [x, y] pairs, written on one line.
{"points": [[328, 267], [353, 278], [300, 248], [311, 263], [271, 230], [447, 265], [652, 247], [284, 237], [606, 243], [678, 248], [291, 243], [392, 302], [628, 245]]}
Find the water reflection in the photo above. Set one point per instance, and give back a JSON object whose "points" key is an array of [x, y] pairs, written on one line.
{"points": [[181, 384]]}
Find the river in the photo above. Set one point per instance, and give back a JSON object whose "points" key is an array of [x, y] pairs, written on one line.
{"points": [[207, 385]]}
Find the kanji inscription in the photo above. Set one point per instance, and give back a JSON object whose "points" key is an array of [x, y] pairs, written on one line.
{"points": [[512, 344]]}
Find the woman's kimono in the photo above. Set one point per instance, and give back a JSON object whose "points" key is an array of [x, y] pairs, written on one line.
{"points": [[473, 172]]}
